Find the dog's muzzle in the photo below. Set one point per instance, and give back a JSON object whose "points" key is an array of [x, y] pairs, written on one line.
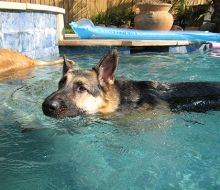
{"points": [[54, 108], [58, 105]]}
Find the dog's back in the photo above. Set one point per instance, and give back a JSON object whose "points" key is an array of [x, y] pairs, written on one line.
{"points": [[194, 96], [12, 60], [183, 96]]}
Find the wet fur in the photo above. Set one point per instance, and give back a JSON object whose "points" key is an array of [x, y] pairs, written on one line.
{"points": [[185, 96], [96, 91], [12, 62]]}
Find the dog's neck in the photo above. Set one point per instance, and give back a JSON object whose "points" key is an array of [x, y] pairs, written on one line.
{"points": [[136, 93]]}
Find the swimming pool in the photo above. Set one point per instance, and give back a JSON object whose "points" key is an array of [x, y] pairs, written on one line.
{"points": [[169, 151]]}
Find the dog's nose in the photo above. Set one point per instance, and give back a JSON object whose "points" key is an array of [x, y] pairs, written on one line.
{"points": [[52, 108], [53, 105]]}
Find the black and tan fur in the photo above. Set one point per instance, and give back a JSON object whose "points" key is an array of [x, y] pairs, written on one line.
{"points": [[96, 91]]}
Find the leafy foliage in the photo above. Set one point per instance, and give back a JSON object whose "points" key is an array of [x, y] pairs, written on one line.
{"points": [[68, 31], [114, 16], [188, 15]]}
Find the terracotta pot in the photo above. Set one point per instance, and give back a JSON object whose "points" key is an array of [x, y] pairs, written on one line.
{"points": [[153, 17]]}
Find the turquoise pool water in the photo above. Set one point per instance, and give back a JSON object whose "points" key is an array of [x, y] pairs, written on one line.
{"points": [[168, 151]]}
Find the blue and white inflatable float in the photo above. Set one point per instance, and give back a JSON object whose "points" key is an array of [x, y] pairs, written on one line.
{"points": [[85, 29]]}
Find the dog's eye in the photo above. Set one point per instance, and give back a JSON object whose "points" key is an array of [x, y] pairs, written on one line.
{"points": [[81, 89]]}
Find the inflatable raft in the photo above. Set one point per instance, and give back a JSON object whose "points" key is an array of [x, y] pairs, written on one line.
{"points": [[85, 29]]}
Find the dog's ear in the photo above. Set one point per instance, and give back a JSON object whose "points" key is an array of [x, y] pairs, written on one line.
{"points": [[67, 64], [106, 67]]}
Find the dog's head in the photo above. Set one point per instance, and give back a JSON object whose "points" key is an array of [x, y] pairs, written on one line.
{"points": [[85, 91]]}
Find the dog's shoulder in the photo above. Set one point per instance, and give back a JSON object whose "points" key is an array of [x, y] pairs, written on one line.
{"points": [[139, 93]]}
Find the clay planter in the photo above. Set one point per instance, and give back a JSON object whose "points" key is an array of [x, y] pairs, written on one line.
{"points": [[153, 17]]}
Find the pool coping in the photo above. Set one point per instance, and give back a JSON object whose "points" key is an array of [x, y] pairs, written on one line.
{"points": [[73, 40], [119, 42], [30, 7]]}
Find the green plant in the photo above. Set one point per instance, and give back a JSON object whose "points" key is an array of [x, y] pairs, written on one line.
{"points": [[114, 16], [68, 31], [186, 14]]}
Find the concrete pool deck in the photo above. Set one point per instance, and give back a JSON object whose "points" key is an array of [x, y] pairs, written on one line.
{"points": [[70, 43], [72, 40]]}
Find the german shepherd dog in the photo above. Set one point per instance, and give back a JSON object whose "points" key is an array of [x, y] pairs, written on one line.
{"points": [[96, 91]]}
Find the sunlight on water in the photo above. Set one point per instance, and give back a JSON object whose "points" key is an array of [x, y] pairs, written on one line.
{"points": [[142, 151]]}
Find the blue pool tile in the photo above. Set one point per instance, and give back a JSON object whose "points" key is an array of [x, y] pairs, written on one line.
{"points": [[34, 33], [26, 21], [1, 40], [47, 42], [47, 20], [47, 52], [26, 39], [12, 41], [50, 20], [1, 21], [53, 22], [38, 39], [55, 51], [39, 53], [54, 37], [42, 53], [50, 52], [10, 21], [39, 21]]}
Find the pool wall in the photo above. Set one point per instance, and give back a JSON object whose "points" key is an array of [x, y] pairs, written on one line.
{"points": [[31, 29]]}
